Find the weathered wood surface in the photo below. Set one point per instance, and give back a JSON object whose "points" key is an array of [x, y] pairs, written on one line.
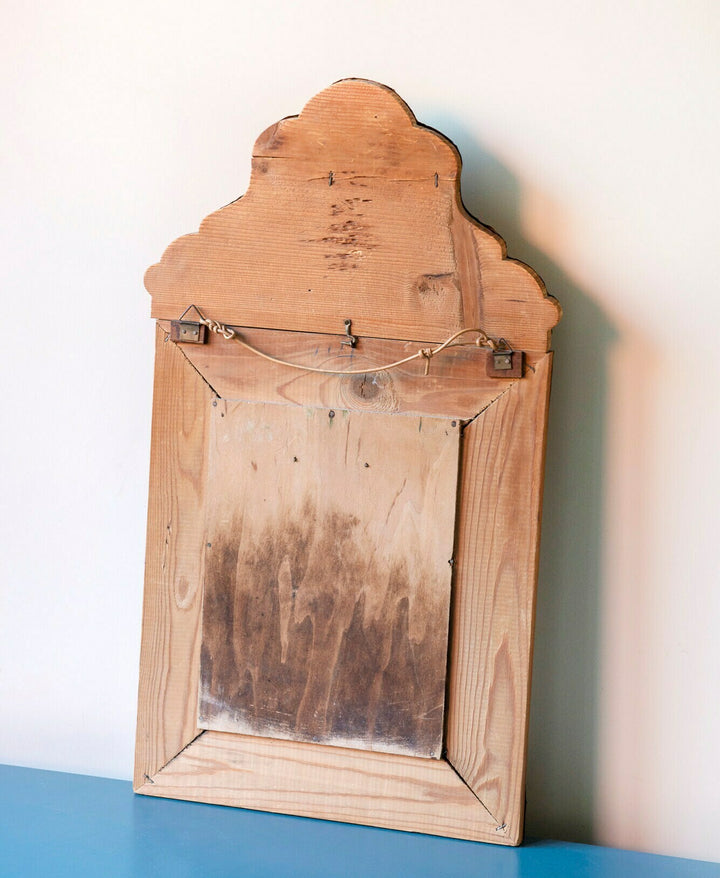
{"points": [[355, 786], [494, 596], [381, 238], [327, 576], [170, 650], [457, 385]]}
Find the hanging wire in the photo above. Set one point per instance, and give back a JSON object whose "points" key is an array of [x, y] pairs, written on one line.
{"points": [[481, 340]]}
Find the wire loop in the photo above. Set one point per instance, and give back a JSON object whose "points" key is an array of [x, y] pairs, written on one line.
{"points": [[482, 340]]}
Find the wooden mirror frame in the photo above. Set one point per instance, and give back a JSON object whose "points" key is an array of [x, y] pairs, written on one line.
{"points": [[235, 272]]}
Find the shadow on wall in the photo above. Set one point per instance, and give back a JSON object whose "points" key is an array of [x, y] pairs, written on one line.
{"points": [[562, 758]]}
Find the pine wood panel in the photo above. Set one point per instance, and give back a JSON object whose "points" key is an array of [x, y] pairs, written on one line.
{"points": [[381, 222], [169, 658], [494, 595], [377, 789], [457, 385], [327, 576], [353, 212]]}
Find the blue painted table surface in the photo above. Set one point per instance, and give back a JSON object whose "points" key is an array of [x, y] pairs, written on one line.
{"points": [[56, 824]]}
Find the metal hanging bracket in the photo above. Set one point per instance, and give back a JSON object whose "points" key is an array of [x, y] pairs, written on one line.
{"points": [[188, 331], [504, 362]]}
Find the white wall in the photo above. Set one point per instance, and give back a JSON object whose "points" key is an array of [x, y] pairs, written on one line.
{"points": [[589, 134]]}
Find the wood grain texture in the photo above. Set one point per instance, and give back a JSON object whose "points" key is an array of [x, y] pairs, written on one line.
{"points": [[485, 740], [353, 212], [327, 576], [170, 649], [376, 789], [457, 385], [381, 222], [494, 596]]}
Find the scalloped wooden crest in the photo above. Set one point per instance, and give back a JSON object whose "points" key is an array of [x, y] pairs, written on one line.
{"points": [[353, 211]]}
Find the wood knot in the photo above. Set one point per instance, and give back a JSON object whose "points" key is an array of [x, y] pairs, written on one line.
{"points": [[372, 391]]}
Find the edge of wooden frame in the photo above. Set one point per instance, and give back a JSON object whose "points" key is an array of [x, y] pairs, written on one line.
{"points": [[494, 594], [170, 639], [456, 385], [476, 792], [329, 783]]}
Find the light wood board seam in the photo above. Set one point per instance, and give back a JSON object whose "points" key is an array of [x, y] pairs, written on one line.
{"points": [[499, 826], [191, 364], [179, 753]]}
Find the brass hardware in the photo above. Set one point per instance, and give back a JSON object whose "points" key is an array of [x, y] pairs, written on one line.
{"points": [[351, 339], [504, 362], [188, 332]]}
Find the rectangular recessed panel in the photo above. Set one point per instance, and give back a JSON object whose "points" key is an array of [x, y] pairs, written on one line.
{"points": [[327, 576]]}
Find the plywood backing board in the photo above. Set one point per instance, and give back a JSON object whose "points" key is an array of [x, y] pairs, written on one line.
{"points": [[328, 558], [341, 569]]}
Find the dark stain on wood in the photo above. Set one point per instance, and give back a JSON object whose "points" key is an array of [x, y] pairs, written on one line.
{"points": [[289, 649], [438, 285], [349, 238], [260, 166]]}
